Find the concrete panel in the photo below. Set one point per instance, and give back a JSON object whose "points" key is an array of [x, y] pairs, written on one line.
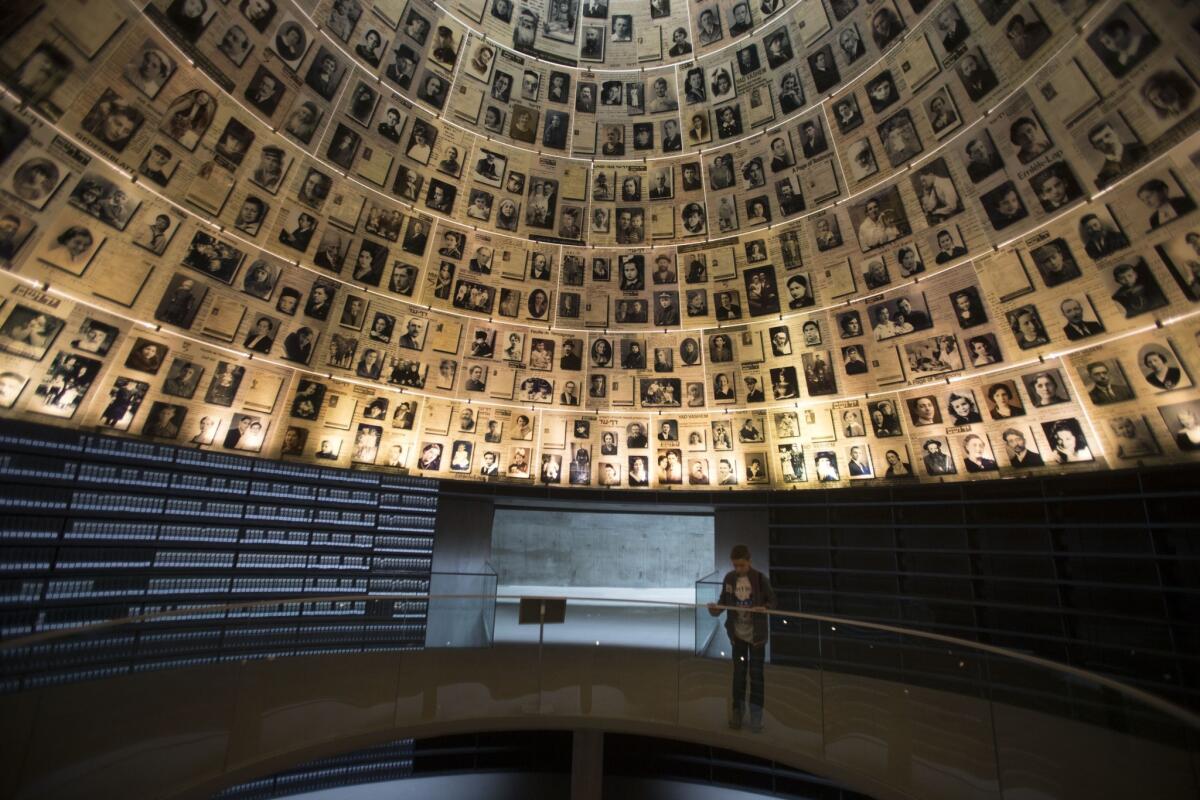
{"points": [[746, 526], [567, 548], [791, 708], [463, 535]]}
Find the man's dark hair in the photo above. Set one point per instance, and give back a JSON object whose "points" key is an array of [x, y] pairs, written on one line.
{"points": [[739, 552]]}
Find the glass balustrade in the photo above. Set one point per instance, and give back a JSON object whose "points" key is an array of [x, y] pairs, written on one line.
{"points": [[880, 708]]}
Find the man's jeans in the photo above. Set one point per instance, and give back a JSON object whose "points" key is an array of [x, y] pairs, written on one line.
{"points": [[752, 656]]}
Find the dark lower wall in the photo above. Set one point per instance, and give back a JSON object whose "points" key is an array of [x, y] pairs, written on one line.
{"points": [[1099, 571]]}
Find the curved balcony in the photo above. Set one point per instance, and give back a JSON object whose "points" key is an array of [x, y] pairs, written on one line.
{"points": [[890, 712]]}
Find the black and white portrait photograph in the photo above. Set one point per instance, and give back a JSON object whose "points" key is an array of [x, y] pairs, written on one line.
{"points": [[1182, 420], [880, 219], [1134, 287], [264, 91], [1122, 41], [149, 69], [933, 356], [113, 121], [1046, 388], [1004, 206], [71, 245]]}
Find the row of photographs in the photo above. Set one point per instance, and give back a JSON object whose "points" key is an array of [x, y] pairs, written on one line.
{"points": [[114, 216], [629, 225], [821, 445], [509, 363], [48, 67], [183, 301], [509, 111], [939, 195], [30, 332]]}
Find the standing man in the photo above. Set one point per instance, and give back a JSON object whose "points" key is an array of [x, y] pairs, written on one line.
{"points": [[749, 591]]}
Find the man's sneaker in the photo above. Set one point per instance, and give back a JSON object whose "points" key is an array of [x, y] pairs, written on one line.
{"points": [[756, 723]]}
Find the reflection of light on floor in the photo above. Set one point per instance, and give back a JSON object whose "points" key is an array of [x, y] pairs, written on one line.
{"points": [[619, 621]]}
